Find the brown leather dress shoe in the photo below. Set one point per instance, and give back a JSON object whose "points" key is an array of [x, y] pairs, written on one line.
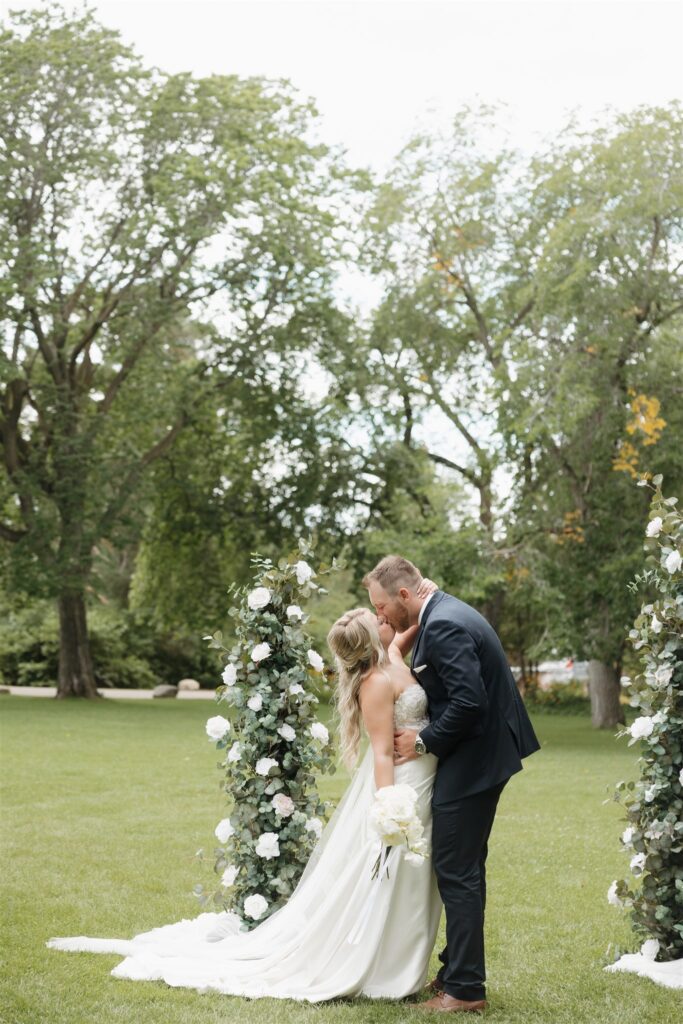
{"points": [[443, 1003]]}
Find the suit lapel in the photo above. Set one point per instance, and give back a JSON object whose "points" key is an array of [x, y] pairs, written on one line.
{"points": [[439, 594]]}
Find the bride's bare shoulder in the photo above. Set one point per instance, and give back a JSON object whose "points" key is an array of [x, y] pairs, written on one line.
{"points": [[377, 685]]}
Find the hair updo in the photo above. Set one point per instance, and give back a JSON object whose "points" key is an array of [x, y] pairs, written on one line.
{"points": [[355, 643]]}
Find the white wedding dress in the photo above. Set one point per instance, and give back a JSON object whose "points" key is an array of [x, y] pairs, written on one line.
{"points": [[341, 933]]}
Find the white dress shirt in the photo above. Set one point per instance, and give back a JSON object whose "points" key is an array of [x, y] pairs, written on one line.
{"points": [[422, 609]]}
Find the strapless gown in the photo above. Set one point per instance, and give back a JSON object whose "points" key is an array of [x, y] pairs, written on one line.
{"points": [[341, 934]]}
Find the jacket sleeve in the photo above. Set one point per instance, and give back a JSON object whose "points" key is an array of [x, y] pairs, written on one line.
{"points": [[451, 651]]}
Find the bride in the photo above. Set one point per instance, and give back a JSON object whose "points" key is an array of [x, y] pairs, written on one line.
{"points": [[342, 933]]}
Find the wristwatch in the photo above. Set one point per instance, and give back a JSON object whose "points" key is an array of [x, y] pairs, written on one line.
{"points": [[419, 745]]}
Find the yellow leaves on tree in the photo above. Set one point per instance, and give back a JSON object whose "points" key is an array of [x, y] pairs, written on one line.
{"points": [[645, 426], [572, 531]]}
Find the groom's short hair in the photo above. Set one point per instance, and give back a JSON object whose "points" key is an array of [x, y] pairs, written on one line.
{"points": [[392, 573]]}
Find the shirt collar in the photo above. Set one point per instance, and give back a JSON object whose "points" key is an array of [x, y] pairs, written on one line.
{"points": [[422, 609]]}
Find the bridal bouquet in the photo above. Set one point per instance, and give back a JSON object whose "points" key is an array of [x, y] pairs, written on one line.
{"points": [[394, 817]]}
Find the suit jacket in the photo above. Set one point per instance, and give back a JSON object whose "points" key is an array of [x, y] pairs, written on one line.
{"points": [[479, 727]]}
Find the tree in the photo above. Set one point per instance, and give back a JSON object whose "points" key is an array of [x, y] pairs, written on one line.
{"points": [[137, 206], [597, 396]]}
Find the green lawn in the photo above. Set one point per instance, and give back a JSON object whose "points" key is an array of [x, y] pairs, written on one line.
{"points": [[104, 806]]}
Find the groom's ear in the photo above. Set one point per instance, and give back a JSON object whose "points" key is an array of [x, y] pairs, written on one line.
{"points": [[404, 593]]}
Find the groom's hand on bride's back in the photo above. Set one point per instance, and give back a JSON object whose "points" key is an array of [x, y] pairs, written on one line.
{"points": [[404, 746]]}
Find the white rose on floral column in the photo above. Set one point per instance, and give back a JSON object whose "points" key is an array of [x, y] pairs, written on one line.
{"points": [[612, 897], [255, 703], [235, 752], [315, 825], [296, 688], [264, 764], [649, 949], [303, 573], [656, 625], [654, 527], [316, 661], [217, 727], [267, 846], [672, 562], [642, 727], [319, 732], [627, 836], [229, 875], [287, 732], [229, 675], [255, 906], [224, 830], [283, 805], [260, 652], [638, 863], [294, 612], [258, 598]]}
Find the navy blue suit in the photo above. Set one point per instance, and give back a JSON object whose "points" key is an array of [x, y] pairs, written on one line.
{"points": [[480, 731]]}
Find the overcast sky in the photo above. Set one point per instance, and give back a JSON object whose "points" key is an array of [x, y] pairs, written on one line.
{"points": [[377, 67]]}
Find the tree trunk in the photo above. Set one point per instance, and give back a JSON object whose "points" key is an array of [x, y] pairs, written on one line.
{"points": [[605, 690], [76, 675]]}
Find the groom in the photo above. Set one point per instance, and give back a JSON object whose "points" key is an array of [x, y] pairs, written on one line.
{"points": [[480, 731]]}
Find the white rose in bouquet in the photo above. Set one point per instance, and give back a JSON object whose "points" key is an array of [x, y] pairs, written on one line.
{"points": [[258, 598], [260, 653], [264, 764], [267, 846], [224, 830], [296, 688], [255, 703], [394, 817], [217, 727], [294, 612], [255, 906], [235, 752], [287, 732]]}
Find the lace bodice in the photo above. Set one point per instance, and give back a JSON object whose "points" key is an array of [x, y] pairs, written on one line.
{"points": [[410, 708]]}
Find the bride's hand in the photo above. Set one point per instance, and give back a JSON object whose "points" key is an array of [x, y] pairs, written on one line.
{"points": [[426, 588]]}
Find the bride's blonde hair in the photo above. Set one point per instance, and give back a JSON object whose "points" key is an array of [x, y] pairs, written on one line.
{"points": [[354, 640]]}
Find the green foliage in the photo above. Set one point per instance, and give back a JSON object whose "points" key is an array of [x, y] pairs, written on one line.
{"points": [[275, 746], [563, 698], [128, 649], [654, 804]]}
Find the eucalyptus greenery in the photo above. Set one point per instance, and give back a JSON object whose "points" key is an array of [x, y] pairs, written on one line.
{"points": [[273, 743], [654, 803]]}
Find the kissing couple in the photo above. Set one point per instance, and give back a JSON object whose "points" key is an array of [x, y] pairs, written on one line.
{"points": [[453, 729]]}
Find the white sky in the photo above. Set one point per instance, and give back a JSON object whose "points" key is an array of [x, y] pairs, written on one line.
{"points": [[378, 69]]}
